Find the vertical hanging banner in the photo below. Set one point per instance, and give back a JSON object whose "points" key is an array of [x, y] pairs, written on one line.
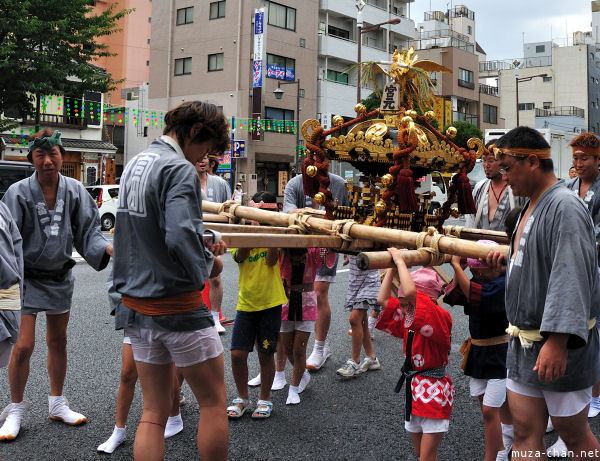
{"points": [[259, 48], [257, 68]]}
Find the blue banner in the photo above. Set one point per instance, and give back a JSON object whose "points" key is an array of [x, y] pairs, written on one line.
{"points": [[259, 22]]}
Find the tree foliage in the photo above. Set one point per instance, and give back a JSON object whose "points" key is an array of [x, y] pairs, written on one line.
{"points": [[464, 131], [47, 47]]}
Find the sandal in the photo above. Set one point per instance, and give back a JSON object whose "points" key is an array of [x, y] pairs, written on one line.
{"points": [[237, 408], [263, 409]]}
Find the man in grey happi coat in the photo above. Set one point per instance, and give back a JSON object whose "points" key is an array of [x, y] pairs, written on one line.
{"points": [[294, 199], [551, 302], [54, 214]]}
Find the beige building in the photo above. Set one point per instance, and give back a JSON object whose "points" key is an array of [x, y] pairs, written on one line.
{"points": [[203, 50], [448, 38]]}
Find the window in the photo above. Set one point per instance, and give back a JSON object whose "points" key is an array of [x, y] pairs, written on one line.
{"points": [[465, 78], [338, 77], [540, 48], [547, 79], [280, 67], [547, 105], [280, 115], [185, 16], [148, 41], [469, 30], [149, 20], [147, 63], [183, 66], [337, 32], [301, 92], [281, 16], [302, 43], [527, 106], [490, 114], [215, 62], [217, 10]]}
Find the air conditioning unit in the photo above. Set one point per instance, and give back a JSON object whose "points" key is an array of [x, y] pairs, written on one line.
{"points": [[253, 177], [242, 176]]}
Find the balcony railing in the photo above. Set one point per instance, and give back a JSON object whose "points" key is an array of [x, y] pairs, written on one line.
{"points": [[466, 84], [464, 117], [560, 111], [60, 121], [442, 42], [506, 64], [488, 89]]}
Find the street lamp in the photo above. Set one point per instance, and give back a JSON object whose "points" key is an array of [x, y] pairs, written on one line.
{"points": [[359, 23], [278, 92], [518, 80]]}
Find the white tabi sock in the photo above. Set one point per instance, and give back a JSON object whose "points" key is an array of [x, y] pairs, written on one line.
{"points": [[319, 345], [116, 439], [293, 396], [508, 435], [174, 425]]}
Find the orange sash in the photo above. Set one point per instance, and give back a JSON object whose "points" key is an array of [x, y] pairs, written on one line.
{"points": [[177, 304]]}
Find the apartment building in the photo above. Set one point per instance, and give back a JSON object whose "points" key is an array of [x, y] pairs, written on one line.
{"points": [[449, 38], [558, 87], [205, 50]]}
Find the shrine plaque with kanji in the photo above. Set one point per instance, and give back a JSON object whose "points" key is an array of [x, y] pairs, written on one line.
{"points": [[390, 98]]}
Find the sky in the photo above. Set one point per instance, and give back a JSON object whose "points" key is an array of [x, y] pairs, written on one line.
{"points": [[499, 25]]}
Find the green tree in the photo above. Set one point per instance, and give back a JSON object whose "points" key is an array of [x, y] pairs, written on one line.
{"points": [[47, 47], [464, 131], [372, 102]]}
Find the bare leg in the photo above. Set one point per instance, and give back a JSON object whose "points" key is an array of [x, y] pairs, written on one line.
{"points": [[176, 390], [239, 368], [282, 355], [357, 318], [207, 381], [429, 446], [267, 373], [285, 345], [575, 431], [126, 385], [299, 354], [215, 293], [416, 440], [157, 383], [323, 311], [367, 343], [596, 390], [492, 430], [18, 368], [56, 339], [530, 417]]}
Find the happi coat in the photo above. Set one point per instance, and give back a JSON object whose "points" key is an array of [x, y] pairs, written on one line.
{"points": [[591, 200], [49, 237], [159, 251], [481, 197], [11, 272], [552, 286]]}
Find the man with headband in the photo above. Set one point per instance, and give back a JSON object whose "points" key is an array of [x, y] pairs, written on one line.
{"points": [[493, 196], [552, 281], [586, 184], [53, 213]]}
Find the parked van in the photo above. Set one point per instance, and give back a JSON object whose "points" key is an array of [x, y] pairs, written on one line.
{"points": [[11, 172]]}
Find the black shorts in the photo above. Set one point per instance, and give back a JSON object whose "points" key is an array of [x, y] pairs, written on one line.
{"points": [[260, 327]]}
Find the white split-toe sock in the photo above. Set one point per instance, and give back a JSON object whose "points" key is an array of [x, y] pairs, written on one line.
{"points": [[220, 328], [116, 439], [254, 381], [279, 381], [293, 396], [304, 381], [59, 411], [13, 417], [174, 426]]}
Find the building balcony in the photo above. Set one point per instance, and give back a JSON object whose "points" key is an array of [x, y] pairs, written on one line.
{"points": [[442, 42], [561, 111], [464, 117], [347, 50], [466, 84], [488, 89], [338, 98], [60, 121], [372, 14]]}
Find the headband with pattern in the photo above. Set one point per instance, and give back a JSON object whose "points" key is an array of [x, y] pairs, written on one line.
{"points": [[46, 143]]}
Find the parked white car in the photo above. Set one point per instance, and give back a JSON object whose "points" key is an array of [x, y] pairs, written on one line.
{"points": [[107, 198]]}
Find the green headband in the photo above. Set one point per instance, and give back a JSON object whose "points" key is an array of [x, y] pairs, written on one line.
{"points": [[46, 143]]}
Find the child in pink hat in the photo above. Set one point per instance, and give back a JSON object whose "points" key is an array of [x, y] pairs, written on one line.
{"points": [[425, 328]]}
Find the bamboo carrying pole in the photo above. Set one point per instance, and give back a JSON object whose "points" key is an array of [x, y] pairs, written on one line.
{"points": [[247, 229], [482, 234], [447, 245], [383, 260], [242, 240], [211, 217]]}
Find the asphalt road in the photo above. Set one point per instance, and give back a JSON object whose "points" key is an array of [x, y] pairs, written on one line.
{"points": [[356, 419]]}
